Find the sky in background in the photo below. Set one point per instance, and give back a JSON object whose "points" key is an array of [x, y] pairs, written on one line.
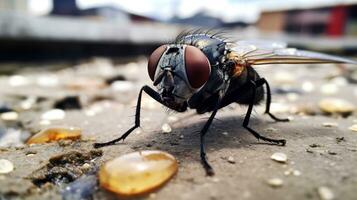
{"points": [[228, 10]]}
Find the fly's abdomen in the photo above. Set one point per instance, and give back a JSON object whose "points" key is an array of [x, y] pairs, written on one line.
{"points": [[241, 91]]}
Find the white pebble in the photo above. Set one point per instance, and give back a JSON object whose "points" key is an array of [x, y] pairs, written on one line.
{"points": [[6, 166], [308, 86], [353, 128], [296, 173], [231, 160], [54, 114], [18, 80], [275, 182], [329, 89], [279, 157], [325, 193], [122, 86], [166, 128], [47, 81], [9, 116], [225, 133], [329, 124]]}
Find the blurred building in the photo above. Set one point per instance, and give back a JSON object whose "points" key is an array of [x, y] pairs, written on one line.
{"points": [[204, 19], [331, 20], [70, 8], [13, 5]]}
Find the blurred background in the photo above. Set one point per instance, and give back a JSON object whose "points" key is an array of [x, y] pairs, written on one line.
{"points": [[32, 30]]}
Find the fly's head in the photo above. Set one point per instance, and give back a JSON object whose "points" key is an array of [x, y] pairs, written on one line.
{"points": [[178, 71]]}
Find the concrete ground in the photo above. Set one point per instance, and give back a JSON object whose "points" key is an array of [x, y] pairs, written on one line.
{"points": [[321, 149]]}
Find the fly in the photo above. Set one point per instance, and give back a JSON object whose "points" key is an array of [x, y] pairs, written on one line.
{"points": [[204, 72]]}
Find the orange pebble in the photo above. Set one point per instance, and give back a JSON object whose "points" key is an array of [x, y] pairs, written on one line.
{"points": [[137, 173], [55, 134]]}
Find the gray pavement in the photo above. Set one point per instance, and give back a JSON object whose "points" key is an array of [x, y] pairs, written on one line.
{"points": [[318, 155]]}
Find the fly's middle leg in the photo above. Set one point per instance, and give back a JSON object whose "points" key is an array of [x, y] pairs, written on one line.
{"points": [[255, 85], [206, 165]]}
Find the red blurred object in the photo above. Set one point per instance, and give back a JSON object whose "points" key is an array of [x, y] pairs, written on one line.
{"points": [[336, 27]]}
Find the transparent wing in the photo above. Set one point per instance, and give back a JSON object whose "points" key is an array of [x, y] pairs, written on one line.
{"points": [[259, 52]]}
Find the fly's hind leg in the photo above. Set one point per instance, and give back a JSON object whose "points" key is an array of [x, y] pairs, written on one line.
{"points": [[249, 112], [152, 93], [262, 81]]}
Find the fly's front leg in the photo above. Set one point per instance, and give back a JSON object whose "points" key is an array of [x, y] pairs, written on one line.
{"points": [[268, 101], [152, 93], [248, 114], [206, 165]]}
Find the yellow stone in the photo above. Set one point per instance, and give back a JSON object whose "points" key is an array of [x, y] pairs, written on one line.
{"points": [[336, 106], [137, 173], [55, 134]]}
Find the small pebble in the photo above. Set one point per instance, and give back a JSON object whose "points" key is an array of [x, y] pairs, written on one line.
{"points": [[54, 114], [325, 193], [330, 124], [296, 172], [329, 89], [231, 160], [308, 86], [28, 103], [166, 128], [122, 86], [353, 128], [336, 106], [18, 80], [279, 157], [47, 81], [55, 134], [6, 166], [9, 116], [275, 182], [86, 166], [225, 133], [288, 172]]}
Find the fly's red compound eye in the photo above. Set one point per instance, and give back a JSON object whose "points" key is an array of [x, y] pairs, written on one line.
{"points": [[154, 60], [197, 66]]}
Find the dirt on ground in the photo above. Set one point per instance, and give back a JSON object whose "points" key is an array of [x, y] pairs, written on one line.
{"points": [[99, 96]]}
